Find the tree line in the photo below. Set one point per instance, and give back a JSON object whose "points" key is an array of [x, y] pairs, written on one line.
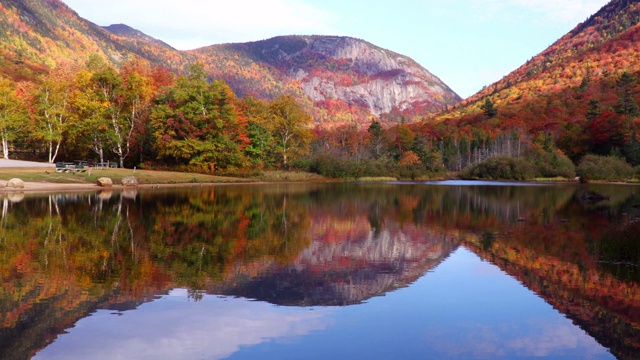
{"points": [[140, 115], [145, 116]]}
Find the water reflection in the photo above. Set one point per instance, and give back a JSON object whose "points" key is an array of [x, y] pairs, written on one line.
{"points": [[63, 256], [176, 328]]}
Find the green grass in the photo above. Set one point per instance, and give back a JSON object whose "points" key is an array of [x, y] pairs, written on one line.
{"points": [[377, 179], [554, 179], [150, 176], [287, 176], [90, 177]]}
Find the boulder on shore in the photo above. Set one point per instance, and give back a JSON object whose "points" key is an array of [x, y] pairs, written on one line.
{"points": [[15, 183], [130, 181], [105, 182]]}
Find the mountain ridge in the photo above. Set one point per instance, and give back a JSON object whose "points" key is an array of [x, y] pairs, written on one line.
{"points": [[49, 32], [331, 68]]}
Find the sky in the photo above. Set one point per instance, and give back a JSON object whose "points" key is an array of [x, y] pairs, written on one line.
{"points": [[466, 43]]}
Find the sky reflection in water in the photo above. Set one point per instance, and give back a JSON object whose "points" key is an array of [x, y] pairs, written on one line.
{"points": [[464, 308]]}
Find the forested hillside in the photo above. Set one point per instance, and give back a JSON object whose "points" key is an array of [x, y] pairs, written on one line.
{"points": [[338, 106], [338, 80], [580, 95]]}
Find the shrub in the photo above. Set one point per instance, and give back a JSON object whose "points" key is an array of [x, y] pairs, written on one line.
{"points": [[609, 168], [553, 164], [336, 168], [501, 168]]}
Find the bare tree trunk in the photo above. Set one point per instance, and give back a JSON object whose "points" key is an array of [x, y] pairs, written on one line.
{"points": [[5, 147]]}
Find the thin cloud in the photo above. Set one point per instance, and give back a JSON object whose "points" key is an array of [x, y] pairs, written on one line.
{"points": [[193, 23]]}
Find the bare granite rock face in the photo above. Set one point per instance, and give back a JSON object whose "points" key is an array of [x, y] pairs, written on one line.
{"points": [[381, 79]]}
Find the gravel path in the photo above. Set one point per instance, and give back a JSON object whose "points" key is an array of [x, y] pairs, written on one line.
{"points": [[4, 163]]}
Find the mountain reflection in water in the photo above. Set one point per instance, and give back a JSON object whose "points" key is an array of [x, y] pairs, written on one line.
{"points": [[64, 256]]}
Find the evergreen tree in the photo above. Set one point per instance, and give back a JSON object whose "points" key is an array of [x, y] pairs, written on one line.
{"points": [[376, 139], [594, 110], [626, 89], [489, 108], [632, 150]]}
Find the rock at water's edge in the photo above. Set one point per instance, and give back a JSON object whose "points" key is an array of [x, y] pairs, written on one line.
{"points": [[105, 182], [16, 183], [130, 181]]}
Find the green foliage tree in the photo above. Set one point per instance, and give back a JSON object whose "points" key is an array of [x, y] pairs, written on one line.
{"points": [[197, 123], [291, 128], [489, 109]]}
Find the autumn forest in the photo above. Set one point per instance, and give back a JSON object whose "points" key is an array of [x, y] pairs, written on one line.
{"points": [[570, 111]]}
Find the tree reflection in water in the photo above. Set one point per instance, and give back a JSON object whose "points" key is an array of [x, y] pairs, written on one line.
{"points": [[65, 255]]}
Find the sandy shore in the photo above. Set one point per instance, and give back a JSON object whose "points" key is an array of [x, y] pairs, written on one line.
{"points": [[48, 187], [53, 187], [70, 187]]}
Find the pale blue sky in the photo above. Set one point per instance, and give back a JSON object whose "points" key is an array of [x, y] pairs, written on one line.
{"points": [[467, 43]]}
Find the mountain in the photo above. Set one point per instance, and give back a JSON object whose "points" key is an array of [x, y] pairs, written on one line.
{"points": [[46, 33], [346, 79], [338, 79], [126, 31], [554, 91], [594, 47]]}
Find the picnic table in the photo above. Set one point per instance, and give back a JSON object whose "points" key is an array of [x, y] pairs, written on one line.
{"points": [[83, 165], [108, 164], [72, 167]]}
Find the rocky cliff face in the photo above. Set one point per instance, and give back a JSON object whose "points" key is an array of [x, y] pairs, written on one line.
{"points": [[339, 272], [384, 80], [335, 75]]}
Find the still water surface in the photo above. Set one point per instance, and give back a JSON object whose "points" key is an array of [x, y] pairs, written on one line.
{"points": [[375, 271]]}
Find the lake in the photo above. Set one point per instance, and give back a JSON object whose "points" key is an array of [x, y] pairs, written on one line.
{"points": [[461, 270]]}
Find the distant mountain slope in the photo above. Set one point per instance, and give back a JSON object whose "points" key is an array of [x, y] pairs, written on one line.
{"points": [[603, 45], [339, 80], [346, 79], [127, 31], [48, 32]]}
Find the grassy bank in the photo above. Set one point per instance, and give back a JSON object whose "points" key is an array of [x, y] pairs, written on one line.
{"points": [[90, 177], [146, 176]]}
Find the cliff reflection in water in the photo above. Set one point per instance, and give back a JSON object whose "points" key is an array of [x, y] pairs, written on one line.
{"points": [[63, 256]]}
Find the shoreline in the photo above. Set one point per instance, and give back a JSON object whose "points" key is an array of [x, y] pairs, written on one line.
{"points": [[45, 187], [49, 187]]}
